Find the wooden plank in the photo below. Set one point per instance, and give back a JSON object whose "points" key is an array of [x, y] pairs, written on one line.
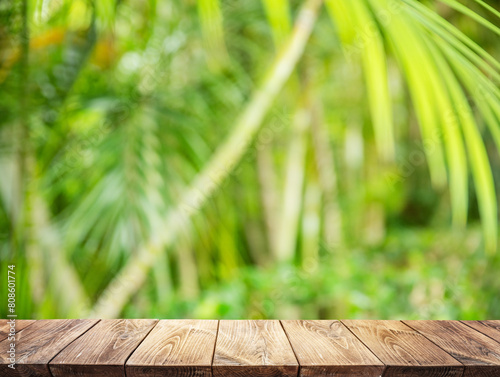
{"points": [[479, 353], [253, 348], [488, 328], [4, 328], [403, 350], [39, 343], [494, 324], [327, 348], [103, 350], [181, 348], [20, 324]]}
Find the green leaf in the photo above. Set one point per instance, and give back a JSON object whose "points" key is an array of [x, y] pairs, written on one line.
{"points": [[359, 31], [470, 13], [432, 101], [212, 28], [278, 15]]}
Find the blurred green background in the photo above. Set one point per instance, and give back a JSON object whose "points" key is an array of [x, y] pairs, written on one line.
{"points": [[367, 188]]}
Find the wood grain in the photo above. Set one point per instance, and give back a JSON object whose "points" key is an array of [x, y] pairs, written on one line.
{"points": [[4, 328], [186, 348], [479, 353], [403, 350], [181, 348], [253, 348], [327, 348], [488, 328], [20, 325], [39, 343], [103, 350], [494, 324]]}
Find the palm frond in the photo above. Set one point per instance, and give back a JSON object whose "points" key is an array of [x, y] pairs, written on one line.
{"points": [[360, 35], [278, 14], [217, 169], [422, 74], [473, 15], [212, 27], [448, 93], [488, 7]]}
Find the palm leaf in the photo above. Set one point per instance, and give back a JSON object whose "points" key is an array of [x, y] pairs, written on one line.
{"points": [[422, 72], [212, 28], [352, 16], [488, 7], [278, 15], [478, 84], [435, 97], [473, 15], [133, 275]]}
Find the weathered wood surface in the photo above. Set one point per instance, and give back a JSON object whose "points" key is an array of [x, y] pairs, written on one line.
{"points": [[403, 350], [479, 353], [20, 324], [103, 350], [39, 343], [328, 348], [253, 348], [488, 328], [185, 348], [180, 348]]}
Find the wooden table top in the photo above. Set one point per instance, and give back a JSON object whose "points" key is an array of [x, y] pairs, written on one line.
{"points": [[185, 348]]}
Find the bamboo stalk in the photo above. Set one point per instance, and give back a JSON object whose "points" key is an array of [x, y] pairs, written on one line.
{"points": [[26, 167], [269, 194], [295, 171], [188, 270], [278, 15], [294, 183], [63, 279], [133, 275], [311, 224], [325, 165]]}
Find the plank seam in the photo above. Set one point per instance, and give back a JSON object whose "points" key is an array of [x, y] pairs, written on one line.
{"points": [[437, 345], [464, 368], [363, 343], [32, 323], [215, 345], [293, 350], [480, 332], [18, 332], [67, 345], [135, 349]]}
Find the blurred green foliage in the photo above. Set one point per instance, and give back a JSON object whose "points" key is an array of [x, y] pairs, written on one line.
{"points": [[351, 202]]}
